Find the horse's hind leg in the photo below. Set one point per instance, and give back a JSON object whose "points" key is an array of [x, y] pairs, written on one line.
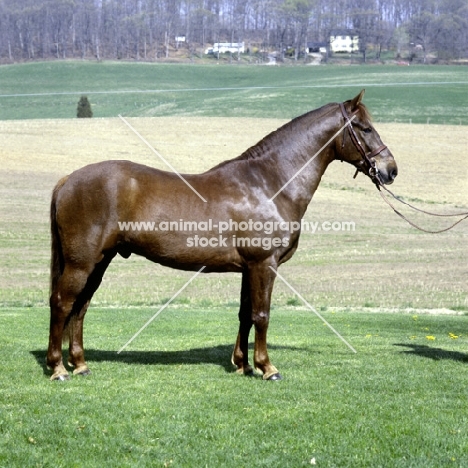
{"points": [[76, 357], [74, 329], [63, 303], [68, 304]]}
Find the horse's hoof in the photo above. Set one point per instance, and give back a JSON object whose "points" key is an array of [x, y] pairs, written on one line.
{"points": [[276, 376], [83, 372], [60, 378]]}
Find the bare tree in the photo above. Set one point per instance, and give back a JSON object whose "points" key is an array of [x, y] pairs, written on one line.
{"points": [[136, 29]]}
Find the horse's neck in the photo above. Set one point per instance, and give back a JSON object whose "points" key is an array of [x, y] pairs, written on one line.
{"points": [[290, 161], [301, 161]]}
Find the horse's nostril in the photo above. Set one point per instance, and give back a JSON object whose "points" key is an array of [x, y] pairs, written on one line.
{"points": [[393, 173]]}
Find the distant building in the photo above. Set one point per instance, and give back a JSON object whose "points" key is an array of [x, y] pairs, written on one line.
{"points": [[317, 47], [224, 47], [344, 41]]}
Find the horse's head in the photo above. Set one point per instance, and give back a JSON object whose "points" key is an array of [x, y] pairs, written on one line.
{"points": [[360, 144]]}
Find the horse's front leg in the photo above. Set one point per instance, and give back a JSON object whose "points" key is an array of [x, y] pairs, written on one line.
{"points": [[262, 279], [240, 356]]}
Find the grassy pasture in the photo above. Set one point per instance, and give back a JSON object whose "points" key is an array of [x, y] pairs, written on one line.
{"points": [[171, 398], [383, 263], [395, 94]]}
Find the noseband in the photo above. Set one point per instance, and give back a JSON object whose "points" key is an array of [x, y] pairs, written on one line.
{"points": [[367, 158]]}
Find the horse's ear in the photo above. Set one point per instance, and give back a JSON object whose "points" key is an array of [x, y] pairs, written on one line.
{"points": [[357, 100]]}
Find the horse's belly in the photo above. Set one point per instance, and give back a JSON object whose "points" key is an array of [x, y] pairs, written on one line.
{"points": [[189, 252]]}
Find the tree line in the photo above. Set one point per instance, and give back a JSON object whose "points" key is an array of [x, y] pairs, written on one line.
{"points": [[154, 29]]}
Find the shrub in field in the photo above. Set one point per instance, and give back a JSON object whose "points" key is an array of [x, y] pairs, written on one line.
{"points": [[84, 108]]}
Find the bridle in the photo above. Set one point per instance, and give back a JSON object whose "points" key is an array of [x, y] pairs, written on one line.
{"points": [[367, 158], [373, 172]]}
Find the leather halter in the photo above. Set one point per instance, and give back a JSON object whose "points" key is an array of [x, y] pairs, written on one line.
{"points": [[367, 158]]}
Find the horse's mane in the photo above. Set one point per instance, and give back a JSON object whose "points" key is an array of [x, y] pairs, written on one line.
{"points": [[258, 150]]}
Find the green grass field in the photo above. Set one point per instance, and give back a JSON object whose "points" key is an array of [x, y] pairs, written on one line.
{"points": [[398, 296], [52, 90], [172, 399]]}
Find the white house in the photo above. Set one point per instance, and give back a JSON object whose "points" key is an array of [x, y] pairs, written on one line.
{"points": [[344, 41]]}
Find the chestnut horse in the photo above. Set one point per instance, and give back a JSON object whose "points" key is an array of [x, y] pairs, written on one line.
{"points": [[271, 183]]}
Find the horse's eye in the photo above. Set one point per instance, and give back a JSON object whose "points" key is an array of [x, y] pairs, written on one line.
{"points": [[367, 130]]}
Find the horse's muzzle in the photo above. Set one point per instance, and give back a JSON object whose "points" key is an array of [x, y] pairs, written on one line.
{"points": [[386, 172]]}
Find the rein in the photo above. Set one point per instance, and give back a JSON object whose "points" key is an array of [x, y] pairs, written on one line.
{"points": [[373, 173], [464, 215]]}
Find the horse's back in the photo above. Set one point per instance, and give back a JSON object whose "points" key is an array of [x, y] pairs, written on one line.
{"points": [[101, 185]]}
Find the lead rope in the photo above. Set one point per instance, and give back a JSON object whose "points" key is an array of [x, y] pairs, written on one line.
{"points": [[465, 215]]}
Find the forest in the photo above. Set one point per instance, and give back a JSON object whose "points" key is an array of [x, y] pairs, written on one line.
{"points": [[433, 30]]}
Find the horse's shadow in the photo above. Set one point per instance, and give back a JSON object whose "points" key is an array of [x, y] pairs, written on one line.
{"points": [[435, 354], [219, 355]]}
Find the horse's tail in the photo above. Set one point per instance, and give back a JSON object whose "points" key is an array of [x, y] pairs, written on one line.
{"points": [[56, 261]]}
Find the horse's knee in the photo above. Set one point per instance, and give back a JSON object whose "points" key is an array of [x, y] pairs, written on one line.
{"points": [[261, 320]]}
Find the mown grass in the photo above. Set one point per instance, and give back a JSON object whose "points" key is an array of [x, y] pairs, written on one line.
{"points": [[419, 94], [172, 398]]}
